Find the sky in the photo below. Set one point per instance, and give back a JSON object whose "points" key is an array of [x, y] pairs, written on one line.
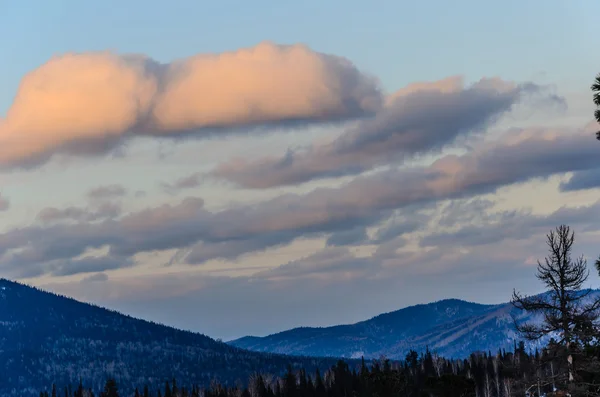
{"points": [[242, 168]]}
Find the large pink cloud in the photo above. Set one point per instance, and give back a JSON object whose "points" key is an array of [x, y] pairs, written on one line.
{"points": [[89, 102], [72, 99], [262, 84]]}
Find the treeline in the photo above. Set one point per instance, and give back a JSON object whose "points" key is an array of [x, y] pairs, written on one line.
{"points": [[502, 374]]}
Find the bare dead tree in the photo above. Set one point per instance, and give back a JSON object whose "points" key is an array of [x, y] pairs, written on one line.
{"points": [[566, 309], [438, 364], [496, 365]]}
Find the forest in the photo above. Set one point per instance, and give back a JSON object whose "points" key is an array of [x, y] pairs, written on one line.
{"points": [[502, 374]]}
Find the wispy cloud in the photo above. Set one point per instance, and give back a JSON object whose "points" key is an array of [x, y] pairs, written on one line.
{"points": [[107, 192], [419, 119], [517, 157], [188, 182], [95, 278], [514, 225], [105, 210]]}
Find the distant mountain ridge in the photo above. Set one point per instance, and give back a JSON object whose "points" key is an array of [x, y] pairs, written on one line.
{"points": [[453, 328], [46, 338]]}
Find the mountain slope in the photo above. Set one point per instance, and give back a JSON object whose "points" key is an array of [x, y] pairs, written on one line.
{"points": [[46, 338], [452, 328], [364, 338]]}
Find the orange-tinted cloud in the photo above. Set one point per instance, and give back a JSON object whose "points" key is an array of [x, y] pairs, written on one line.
{"points": [[90, 102], [73, 99]]}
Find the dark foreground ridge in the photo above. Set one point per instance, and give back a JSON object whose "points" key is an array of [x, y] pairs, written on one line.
{"points": [[46, 338]]}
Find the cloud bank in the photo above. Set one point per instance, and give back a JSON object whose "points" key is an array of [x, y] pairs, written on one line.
{"points": [[489, 271], [341, 213], [422, 118], [88, 103]]}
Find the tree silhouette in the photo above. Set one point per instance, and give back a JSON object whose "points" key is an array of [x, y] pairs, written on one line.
{"points": [[564, 307], [110, 389], [596, 91]]}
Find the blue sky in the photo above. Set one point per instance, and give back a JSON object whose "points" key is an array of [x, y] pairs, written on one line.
{"points": [[400, 42], [391, 45]]}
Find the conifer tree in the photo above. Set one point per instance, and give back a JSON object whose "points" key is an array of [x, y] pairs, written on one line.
{"points": [[79, 391], [175, 390], [564, 307], [596, 91], [290, 388], [168, 390], [319, 385], [110, 389]]}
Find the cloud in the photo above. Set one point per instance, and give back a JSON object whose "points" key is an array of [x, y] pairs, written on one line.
{"points": [[331, 260], [89, 103], [231, 249], [517, 157], [419, 119], [4, 204], [514, 225], [89, 264], [582, 180], [353, 236], [95, 278], [188, 182], [105, 210], [107, 192], [28, 265], [399, 224], [465, 211]]}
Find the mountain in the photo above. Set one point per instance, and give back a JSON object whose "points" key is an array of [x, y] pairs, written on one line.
{"points": [[453, 328], [46, 338]]}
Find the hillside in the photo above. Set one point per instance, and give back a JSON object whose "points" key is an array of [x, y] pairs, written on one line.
{"points": [[452, 328], [46, 338], [367, 338]]}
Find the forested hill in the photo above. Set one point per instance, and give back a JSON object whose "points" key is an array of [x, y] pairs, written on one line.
{"points": [[451, 327], [46, 338]]}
